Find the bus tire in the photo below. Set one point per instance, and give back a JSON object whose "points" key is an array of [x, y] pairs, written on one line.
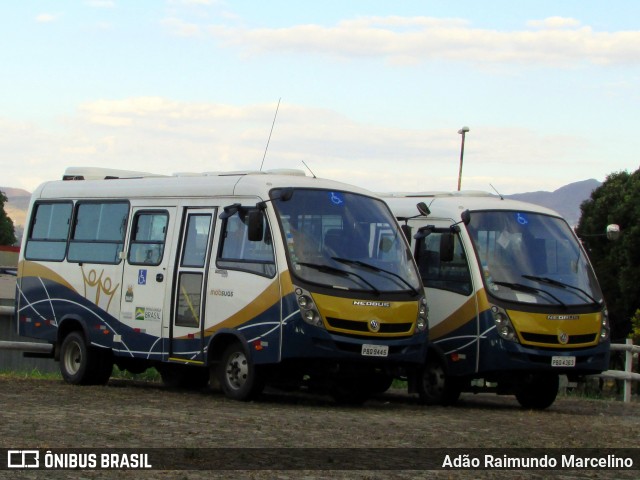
{"points": [[435, 387], [239, 377], [81, 364], [537, 390]]}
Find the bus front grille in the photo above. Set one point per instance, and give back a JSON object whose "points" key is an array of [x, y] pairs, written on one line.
{"points": [[553, 339], [363, 326]]}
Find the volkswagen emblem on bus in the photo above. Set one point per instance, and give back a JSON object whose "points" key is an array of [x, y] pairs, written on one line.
{"points": [[563, 338], [374, 325]]}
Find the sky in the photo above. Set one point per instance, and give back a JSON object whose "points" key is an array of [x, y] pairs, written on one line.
{"points": [[368, 92]]}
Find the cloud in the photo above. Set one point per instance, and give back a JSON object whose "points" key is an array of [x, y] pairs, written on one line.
{"points": [[181, 28], [47, 17], [555, 41], [166, 136], [553, 23]]}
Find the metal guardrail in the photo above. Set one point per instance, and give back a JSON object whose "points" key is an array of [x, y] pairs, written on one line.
{"points": [[31, 347], [627, 375]]}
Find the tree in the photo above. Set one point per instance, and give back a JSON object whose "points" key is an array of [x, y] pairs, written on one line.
{"points": [[617, 263], [7, 234]]}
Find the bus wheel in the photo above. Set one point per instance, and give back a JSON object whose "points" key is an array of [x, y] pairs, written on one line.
{"points": [[239, 377], [435, 387], [81, 364], [537, 391]]}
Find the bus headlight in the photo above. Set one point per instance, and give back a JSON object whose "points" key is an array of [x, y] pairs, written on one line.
{"points": [[503, 324], [422, 322], [308, 309], [604, 329], [311, 316], [304, 302]]}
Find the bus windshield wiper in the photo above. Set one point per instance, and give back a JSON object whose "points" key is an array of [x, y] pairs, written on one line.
{"points": [[368, 266], [560, 284], [339, 272], [526, 288]]}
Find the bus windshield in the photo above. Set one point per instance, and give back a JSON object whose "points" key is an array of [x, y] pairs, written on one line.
{"points": [[532, 258], [346, 241]]}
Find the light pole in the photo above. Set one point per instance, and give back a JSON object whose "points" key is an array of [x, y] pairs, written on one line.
{"points": [[462, 131]]}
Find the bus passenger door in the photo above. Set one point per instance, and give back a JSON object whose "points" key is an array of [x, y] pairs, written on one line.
{"points": [[146, 278], [453, 317], [187, 324]]}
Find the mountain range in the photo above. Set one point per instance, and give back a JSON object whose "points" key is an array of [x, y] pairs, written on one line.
{"points": [[566, 201]]}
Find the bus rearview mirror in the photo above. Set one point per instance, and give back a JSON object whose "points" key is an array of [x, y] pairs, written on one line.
{"points": [[255, 225]]}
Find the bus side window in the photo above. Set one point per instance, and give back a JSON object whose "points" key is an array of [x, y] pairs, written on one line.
{"points": [[237, 252], [451, 274], [48, 232], [99, 230], [197, 240], [148, 238]]}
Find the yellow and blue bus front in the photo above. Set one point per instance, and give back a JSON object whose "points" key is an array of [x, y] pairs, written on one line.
{"points": [[352, 296], [541, 307]]}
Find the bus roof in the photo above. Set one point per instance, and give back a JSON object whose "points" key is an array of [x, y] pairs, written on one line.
{"points": [[451, 204], [91, 182]]}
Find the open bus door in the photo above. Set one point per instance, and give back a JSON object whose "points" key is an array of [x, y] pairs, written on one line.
{"points": [[187, 323], [453, 319]]}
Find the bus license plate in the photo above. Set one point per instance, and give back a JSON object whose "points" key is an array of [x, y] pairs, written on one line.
{"points": [[375, 350], [563, 361]]}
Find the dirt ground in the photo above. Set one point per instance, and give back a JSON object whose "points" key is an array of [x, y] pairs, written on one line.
{"points": [[49, 414]]}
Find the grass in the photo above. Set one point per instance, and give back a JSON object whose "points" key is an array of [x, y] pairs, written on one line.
{"points": [[33, 374], [398, 383], [150, 375]]}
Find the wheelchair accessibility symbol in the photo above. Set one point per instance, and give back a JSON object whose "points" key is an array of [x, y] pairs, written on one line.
{"points": [[142, 277], [336, 198], [522, 219]]}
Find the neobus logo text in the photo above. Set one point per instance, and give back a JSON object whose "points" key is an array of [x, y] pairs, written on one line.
{"points": [[361, 303], [563, 317]]}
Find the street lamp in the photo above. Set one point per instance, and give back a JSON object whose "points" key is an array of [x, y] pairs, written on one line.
{"points": [[462, 131]]}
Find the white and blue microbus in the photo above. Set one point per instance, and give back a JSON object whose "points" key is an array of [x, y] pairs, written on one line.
{"points": [[513, 299], [246, 278]]}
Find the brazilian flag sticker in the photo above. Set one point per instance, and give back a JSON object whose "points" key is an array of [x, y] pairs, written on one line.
{"points": [[139, 313]]}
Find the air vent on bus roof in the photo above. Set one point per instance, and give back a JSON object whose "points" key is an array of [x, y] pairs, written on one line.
{"points": [[287, 171], [99, 173], [278, 171]]}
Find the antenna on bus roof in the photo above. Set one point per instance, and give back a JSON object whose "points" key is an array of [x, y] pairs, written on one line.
{"points": [[499, 194], [305, 164], [269, 139]]}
